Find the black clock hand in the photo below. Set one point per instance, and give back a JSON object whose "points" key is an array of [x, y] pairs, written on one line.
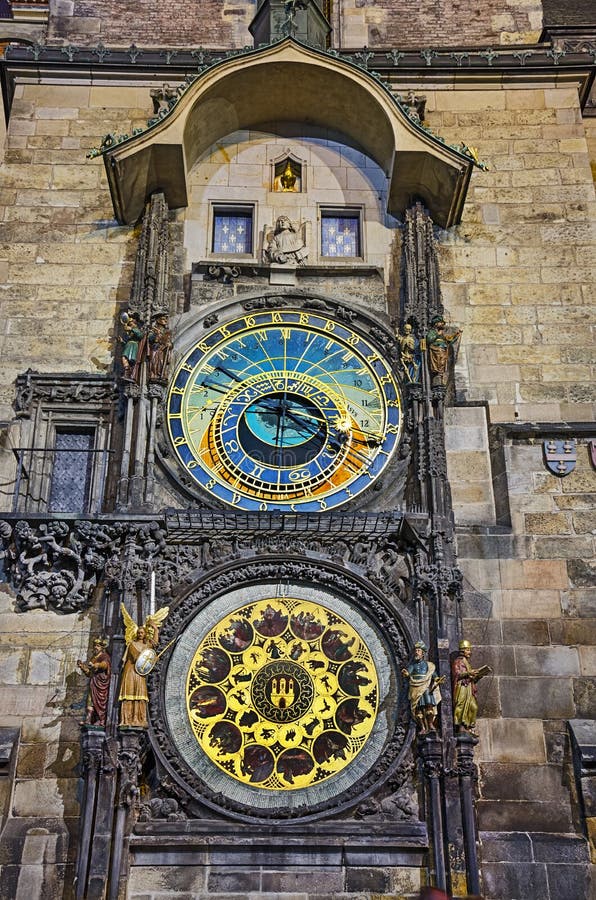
{"points": [[284, 404]]}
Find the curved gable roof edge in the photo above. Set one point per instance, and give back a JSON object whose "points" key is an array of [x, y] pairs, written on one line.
{"points": [[288, 82]]}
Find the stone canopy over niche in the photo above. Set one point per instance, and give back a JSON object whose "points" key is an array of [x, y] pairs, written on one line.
{"points": [[289, 82]]}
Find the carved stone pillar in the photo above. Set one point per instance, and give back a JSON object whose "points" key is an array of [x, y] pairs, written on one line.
{"points": [[92, 742], [466, 770], [430, 748], [132, 743], [142, 383]]}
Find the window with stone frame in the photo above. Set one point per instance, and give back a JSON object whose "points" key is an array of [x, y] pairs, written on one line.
{"points": [[341, 233], [72, 470], [233, 229], [61, 455]]}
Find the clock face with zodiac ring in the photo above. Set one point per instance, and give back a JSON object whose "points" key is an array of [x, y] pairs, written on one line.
{"points": [[282, 694], [284, 409], [279, 692]]}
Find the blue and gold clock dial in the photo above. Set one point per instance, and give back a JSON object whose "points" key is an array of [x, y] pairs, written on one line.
{"points": [[283, 409]]}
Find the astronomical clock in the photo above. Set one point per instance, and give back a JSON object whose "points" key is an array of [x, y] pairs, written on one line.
{"points": [[284, 410], [281, 696]]}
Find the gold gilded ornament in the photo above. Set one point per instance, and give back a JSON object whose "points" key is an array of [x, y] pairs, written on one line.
{"points": [[282, 694]]}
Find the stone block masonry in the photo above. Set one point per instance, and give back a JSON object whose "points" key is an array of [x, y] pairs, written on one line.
{"points": [[356, 23]]}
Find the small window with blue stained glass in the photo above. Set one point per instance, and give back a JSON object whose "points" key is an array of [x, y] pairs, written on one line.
{"points": [[340, 233], [232, 229]]}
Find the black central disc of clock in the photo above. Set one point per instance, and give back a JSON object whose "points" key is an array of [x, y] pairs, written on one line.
{"points": [[282, 430]]}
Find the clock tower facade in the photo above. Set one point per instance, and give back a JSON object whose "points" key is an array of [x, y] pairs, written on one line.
{"points": [[283, 495]]}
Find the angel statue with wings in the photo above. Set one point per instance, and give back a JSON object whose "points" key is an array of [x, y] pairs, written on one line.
{"points": [[139, 658]]}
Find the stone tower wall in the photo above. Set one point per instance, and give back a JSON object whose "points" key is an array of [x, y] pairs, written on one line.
{"points": [[224, 23]]}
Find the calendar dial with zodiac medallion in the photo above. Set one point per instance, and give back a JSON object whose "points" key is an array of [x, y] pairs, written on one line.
{"points": [[282, 694], [284, 409]]}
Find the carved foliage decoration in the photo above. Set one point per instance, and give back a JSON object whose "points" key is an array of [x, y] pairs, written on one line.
{"points": [[380, 557]]}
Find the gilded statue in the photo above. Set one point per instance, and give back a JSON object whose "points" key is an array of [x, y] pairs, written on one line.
{"points": [[98, 670], [439, 340], [464, 679], [287, 181], [423, 693], [139, 657]]}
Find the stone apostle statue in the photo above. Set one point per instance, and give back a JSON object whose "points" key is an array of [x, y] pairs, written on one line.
{"points": [[424, 693], [141, 641], [439, 339], [464, 678], [286, 244], [98, 670]]}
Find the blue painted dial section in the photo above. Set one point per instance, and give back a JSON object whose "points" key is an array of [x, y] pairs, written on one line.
{"points": [[283, 409]]}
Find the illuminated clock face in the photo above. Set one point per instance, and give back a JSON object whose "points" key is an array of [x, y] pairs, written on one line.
{"points": [[282, 694], [283, 409]]}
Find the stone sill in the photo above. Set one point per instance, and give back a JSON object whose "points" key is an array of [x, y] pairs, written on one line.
{"points": [[249, 267], [197, 841]]}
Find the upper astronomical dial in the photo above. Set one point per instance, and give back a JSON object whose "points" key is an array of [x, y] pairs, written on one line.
{"points": [[283, 409]]}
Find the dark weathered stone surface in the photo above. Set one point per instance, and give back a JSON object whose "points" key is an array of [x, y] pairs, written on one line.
{"points": [[584, 695], [525, 631], [540, 698], [513, 815], [503, 847], [489, 698], [560, 848], [483, 632], [505, 881], [580, 603], [568, 882], [502, 660], [556, 740], [573, 631], [367, 880], [480, 546], [554, 661], [581, 573], [313, 881], [522, 782], [235, 878]]}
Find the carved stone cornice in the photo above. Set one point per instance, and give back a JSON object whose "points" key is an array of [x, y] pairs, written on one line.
{"points": [[58, 388]]}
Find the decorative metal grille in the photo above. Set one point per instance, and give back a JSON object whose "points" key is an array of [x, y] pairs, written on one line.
{"points": [[71, 474], [340, 234]]}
